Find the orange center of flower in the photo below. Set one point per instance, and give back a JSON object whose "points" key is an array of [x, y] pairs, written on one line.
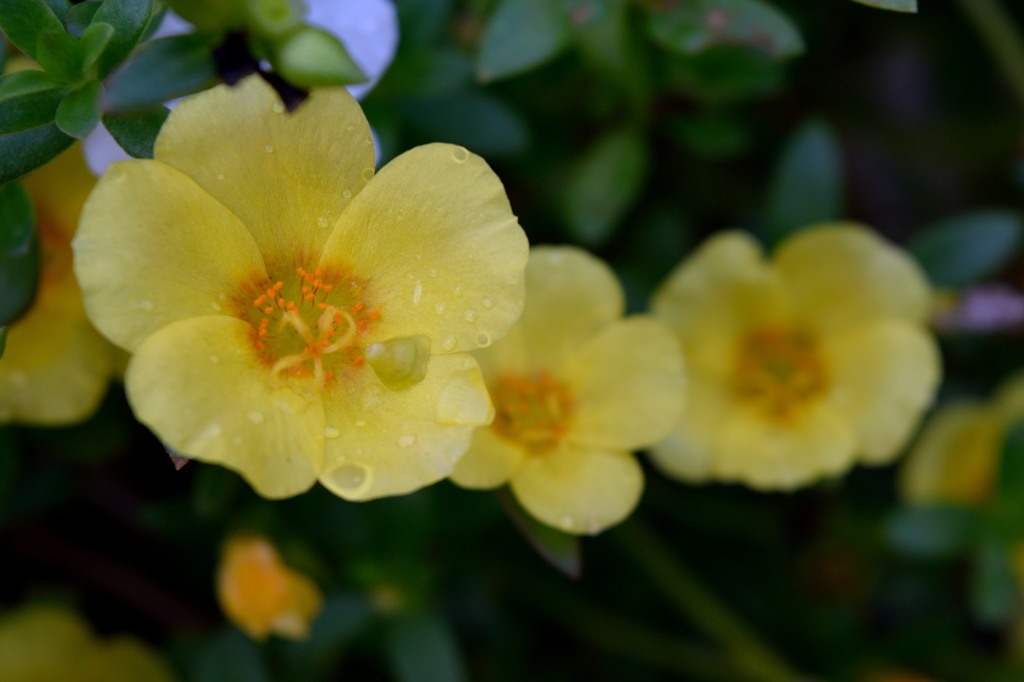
{"points": [[778, 371], [532, 411], [308, 328]]}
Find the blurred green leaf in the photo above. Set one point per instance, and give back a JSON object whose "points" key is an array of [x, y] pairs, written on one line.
{"points": [[80, 15], [22, 21], [422, 648], [521, 35], [214, 490], [10, 454], [312, 57], [136, 132], [603, 185], [95, 40], [1009, 488], [79, 111], [559, 549], [28, 149], [726, 74], [692, 27], [933, 531], [129, 19], [712, 134], [24, 82], [477, 120], [3, 55], [993, 589], [59, 53], [607, 39], [162, 70], [29, 109], [19, 252], [894, 5], [963, 249], [343, 617], [230, 656], [807, 186], [430, 72]]}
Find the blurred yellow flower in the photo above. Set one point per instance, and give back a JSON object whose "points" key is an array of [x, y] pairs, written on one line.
{"points": [[291, 315], [575, 389], [43, 643], [261, 595], [801, 365], [954, 460], [55, 367]]}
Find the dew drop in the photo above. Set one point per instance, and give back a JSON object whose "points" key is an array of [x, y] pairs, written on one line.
{"points": [[470, 315], [222, 297], [458, 289], [347, 194], [367, 174], [440, 307], [433, 272], [331, 432], [216, 307], [322, 221], [146, 305], [115, 174], [483, 339], [406, 440], [360, 423], [269, 149], [349, 128], [566, 522], [488, 302], [277, 107], [449, 343], [256, 417], [417, 293], [349, 477], [460, 155], [220, 176], [214, 359]]}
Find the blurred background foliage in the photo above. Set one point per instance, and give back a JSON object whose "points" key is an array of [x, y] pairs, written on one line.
{"points": [[635, 129]]}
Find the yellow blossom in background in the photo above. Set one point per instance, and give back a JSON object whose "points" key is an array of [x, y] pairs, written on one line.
{"points": [[802, 364], [575, 388], [46, 643], [292, 315], [261, 595], [55, 367], [955, 459]]}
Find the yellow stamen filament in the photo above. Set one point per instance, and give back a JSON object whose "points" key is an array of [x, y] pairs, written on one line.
{"points": [[779, 371]]}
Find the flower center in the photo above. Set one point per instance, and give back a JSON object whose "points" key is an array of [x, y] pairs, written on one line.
{"points": [[778, 370], [309, 327], [532, 411]]}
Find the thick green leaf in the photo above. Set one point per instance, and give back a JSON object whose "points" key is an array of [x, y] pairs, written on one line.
{"points": [[136, 132], [726, 73], [79, 111], [312, 57], [230, 655], [559, 549], [22, 21], [1010, 474], [694, 26], [80, 15], [422, 648], [994, 593], [162, 70], [894, 5], [29, 109], [26, 150], [24, 82], [521, 34], [59, 54], [3, 55], [607, 40], [95, 40], [129, 19], [60, 8], [477, 120], [932, 531], [962, 250], [807, 187], [603, 186], [19, 252]]}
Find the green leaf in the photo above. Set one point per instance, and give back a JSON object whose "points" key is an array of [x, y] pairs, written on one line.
{"points": [[993, 589], [807, 186], [80, 15], [24, 82], [3, 55], [933, 531], [136, 132], [230, 655], [26, 150], [29, 109], [966, 248], [94, 41], [162, 70], [59, 54], [79, 111], [603, 186], [1010, 474], [477, 120], [521, 35], [22, 21], [19, 252], [312, 57], [692, 27], [3, 340], [560, 550], [129, 19], [60, 8], [894, 5], [343, 617], [607, 40], [725, 74], [422, 648]]}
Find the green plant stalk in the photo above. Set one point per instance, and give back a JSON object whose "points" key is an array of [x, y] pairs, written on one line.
{"points": [[997, 31], [758, 662]]}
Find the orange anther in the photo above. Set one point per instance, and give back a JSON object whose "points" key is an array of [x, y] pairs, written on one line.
{"points": [[301, 271], [328, 374], [263, 331], [278, 285], [308, 297], [321, 306], [260, 346], [362, 325], [374, 315], [317, 272], [358, 306], [268, 310], [358, 361], [260, 301], [328, 287], [280, 303]]}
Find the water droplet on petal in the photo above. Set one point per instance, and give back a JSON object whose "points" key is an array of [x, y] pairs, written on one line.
{"points": [[440, 307], [360, 423], [349, 128], [367, 174], [115, 174], [566, 522], [236, 440], [460, 155], [215, 359], [322, 221], [406, 440], [146, 305], [331, 432], [458, 289], [449, 343], [347, 194], [256, 417], [216, 307], [470, 315], [433, 272], [277, 107], [488, 302], [269, 149], [349, 477], [220, 176], [417, 293], [483, 339]]}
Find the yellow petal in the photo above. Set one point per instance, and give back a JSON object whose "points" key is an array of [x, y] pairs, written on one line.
{"points": [[954, 459], [627, 385], [713, 297], [125, 658], [59, 189], [1009, 401], [580, 491], [882, 376], [287, 176], [768, 455], [153, 248], [42, 643], [686, 453], [489, 463], [197, 384], [842, 274], [435, 232], [386, 442]]}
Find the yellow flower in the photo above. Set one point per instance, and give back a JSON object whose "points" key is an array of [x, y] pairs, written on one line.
{"points": [[261, 595], [575, 389], [801, 365], [55, 367], [291, 315], [42, 643], [954, 460]]}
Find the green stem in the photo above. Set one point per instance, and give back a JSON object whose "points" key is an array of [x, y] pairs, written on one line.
{"points": [[997, 31], [749, 654]]}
